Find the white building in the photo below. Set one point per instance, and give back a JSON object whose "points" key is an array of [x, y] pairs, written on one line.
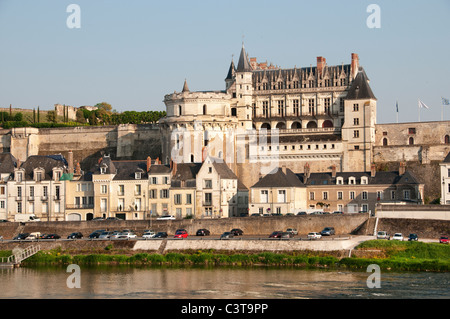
{"points": [[445, 181]]}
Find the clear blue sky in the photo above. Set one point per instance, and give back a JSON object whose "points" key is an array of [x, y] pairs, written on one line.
{"points": [[132, 53]]}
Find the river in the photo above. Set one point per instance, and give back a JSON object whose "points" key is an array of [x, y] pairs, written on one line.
{"points": [[111, 282]]}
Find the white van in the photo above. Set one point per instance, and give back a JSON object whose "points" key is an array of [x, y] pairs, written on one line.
{"points": [[26, 218]]}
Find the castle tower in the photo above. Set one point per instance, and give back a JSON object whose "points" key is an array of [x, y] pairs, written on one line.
{"points": [[244, 91]]}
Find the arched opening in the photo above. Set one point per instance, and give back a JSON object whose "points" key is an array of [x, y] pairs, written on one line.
{"points": [[311, 124], [385, 142], [447, 139], [179, 110], [74, 217], [296, 125], [233, 111], [89, 216], [266, 126], [204, 109], [281, 125], [192, 158], [411, 141], [327, 123]]}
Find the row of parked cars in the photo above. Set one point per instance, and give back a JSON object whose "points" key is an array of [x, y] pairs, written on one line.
{"points": [[35, 236], [412, 237]]}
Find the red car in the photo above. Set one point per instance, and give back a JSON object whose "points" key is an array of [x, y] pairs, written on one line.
{"points": [[180, 234], [443, 240]]}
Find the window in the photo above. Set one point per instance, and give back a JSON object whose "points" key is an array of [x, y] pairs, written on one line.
{"points": [[164, 193], [38, 176], [121, 190], [356, 121], [295, 105], [356, 134], [188, 198], [447, 139], [339, 195], [281, 111], [19, 176], [339, 180], [364, 180], [281, 196], [352, 195], [364, 195], [365, 208], [264, 196], [103, 205], [327, 103], [19, 191], [204, 109], [153, 193], [278, 210], [2, 204], [411, 141], [154, 180], [412, 130], [57, 193], [208, 183], [103, 189], [177, 199], [311, 195], [379, 195], [325, 195], [311, 106], [31, 191], [137, 189], [265, 107], [392, 195], [341, 105], [45, 191], [385, 142], [406, 194], [355, 107], [352, 180], [19, 207], [208, 199], [2, 190], [137, 175]]}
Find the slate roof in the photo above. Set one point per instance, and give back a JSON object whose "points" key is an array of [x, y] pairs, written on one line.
{"points": [[243, 64], [126, 170], [279, 179], [187, 173], [7, 163], [45, 162], [159, 169], [381, 178], [447, 159], [360, 88]]}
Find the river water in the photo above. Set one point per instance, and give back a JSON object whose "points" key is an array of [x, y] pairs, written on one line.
{"points": [[124, 282]]}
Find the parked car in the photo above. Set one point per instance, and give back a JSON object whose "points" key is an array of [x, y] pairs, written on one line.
{"points": [[33, 236], [126, 235], [148, 234], [105, 235], [113, 218], [301, 213], [286, 234], [413, 237], [180, 234], [398, 236], [115, 234], [166, 217], [161, 234], [227, 235], [21, 236], [338, 212], [203, 232], [97, 219], [76, 235], [328, 231], [51, 236], [96, 233], [317, 213], [255, 215], [443, 240], [314, 235], [383, 235], [276, 234], [237, 232], [293, 231]]}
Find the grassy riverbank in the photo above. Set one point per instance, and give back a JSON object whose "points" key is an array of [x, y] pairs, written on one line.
{"points": [[389, 255]]}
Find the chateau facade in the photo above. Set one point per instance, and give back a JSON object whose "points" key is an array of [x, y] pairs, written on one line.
{"points": [[268, 116]]}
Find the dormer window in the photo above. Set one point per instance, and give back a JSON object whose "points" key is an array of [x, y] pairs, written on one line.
{"points": [[103, 168], [352, 181], [138, 175], [364, 180], [38, 174], [340, 181], [57, 174], [19, 176]]}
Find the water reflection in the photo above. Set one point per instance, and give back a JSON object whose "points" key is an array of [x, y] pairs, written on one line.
{"points": [[212, 283]]}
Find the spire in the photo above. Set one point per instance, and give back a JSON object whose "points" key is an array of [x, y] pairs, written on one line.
{"points": [[243, 64], [231, 71], [185, 86], [360, 88]]}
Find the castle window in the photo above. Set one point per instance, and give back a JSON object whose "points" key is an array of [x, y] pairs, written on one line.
{"points": [[356, 121], [179, 110], [411, 141], [355, 107], [233, 112], [447, 139], [355, 134], [385, 142], [204, 109], [412, 130]]}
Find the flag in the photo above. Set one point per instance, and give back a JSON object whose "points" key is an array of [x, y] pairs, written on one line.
{"points": [[445, 101], [422, 105]]}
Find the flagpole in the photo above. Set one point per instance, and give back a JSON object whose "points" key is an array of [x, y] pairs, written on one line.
{"points": [[418, 104]]}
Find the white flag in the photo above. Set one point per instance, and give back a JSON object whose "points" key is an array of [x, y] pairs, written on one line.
{"points": [[422, 105]]}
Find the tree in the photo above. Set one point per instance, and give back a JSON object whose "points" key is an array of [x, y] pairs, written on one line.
{"points": [[104, 106], [80, 116], [18, 117], [51, 116]]}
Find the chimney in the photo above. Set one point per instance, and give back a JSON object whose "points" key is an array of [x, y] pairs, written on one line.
{"points": [[333, 171], [373, 170], [174, 168], [78, 169], [70, 162], [149, 163], [321, 61], [402, 168], [204, 153], [354, 65]]}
